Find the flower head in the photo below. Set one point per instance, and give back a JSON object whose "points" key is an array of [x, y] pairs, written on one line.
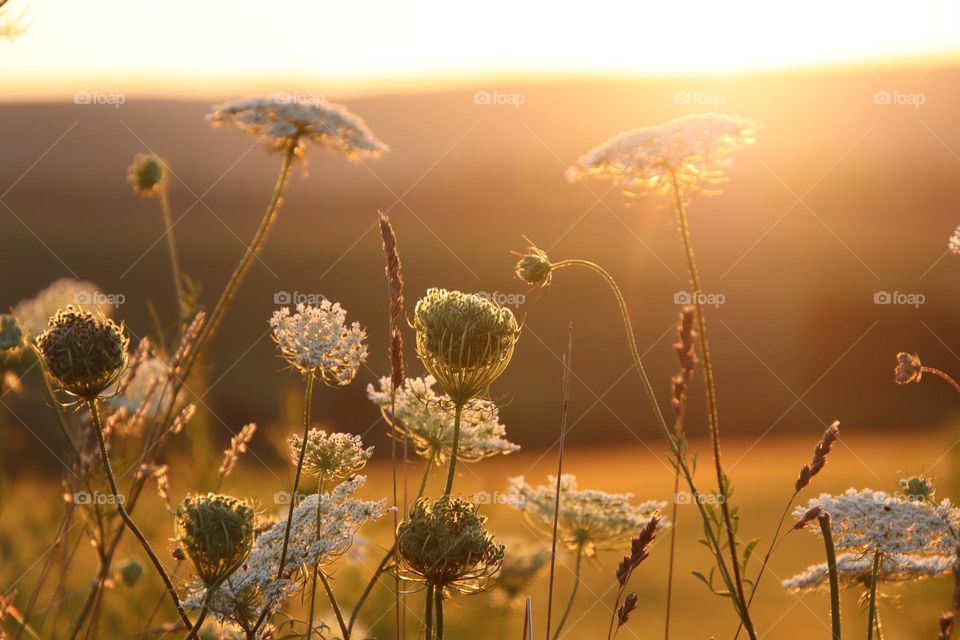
{"points": [[534, 267], [11, 340], [289, 123], [83, 353], [855, 568], [216, 533], [333, 455], [446, 544], [317, 340], [589, 520], [464, 340], [954, 243], [34, 313], [426, 419], [868, 521], [147, 175], [130, 571], [522, 562], [146, 386], [694, 150], [908, 369]]}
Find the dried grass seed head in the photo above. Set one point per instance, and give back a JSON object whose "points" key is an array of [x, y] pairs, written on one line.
{"points": [[854, 568]]}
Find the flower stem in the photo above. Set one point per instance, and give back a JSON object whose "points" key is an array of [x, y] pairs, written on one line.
{"points": [[573, 593], [831, 553], [872, 620], [428, 617], [937, 372], [307, 398], [333, 603], [438, 594], [316, 565], [174, 259], [98, 427], [714, 420], [457, 417]]}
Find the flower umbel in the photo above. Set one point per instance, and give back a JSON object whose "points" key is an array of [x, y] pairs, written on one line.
{"points": [[216, 533], [35, 312], [854, 568], [83, 353], [954, 242], [333, 455], [147, 175], [464, 340], [522, 562], [317, 340]]}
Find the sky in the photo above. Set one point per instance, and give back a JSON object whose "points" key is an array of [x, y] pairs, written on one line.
{"points": [[195, 48]]}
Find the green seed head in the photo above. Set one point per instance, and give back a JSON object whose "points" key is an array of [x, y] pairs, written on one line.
{"points": [[83, 353], [464, 340], [918, 489], [147, 174], [130, 572], [11, 340], [534, 267], [216, 533]]}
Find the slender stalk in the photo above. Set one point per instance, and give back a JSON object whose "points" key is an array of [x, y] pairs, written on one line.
{"points": [[673, 548], [451, 474], [307, 399], [573, 593], [438, 594], [872, 619], [831, 553], [714, 419], [564, 406], [333, 603], [174, 259], [118, 499], [937, 372], [316, 566], [428, 616]]}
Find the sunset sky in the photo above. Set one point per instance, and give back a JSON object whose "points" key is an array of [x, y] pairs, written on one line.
{"points": [[187, 48]]}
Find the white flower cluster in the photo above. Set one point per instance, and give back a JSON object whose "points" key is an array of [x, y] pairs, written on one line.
{"points": [[330, 126], [255, 584], [695, 149], [147, 386], [589, 519], [426, 418], [317, 340], [954, 244], [34, 313], [855, 568], [868, 521], [330, 455]]}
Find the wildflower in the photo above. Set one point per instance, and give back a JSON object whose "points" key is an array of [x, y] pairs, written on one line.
{"points": [[216, 533], [83, 353], [147, 175], [334, 455], [954, 243], [534, 267], [426, 419], [144, 391], [445, 545], [464, 340], [909, 369], [130, 572], [875, 521], [11, 340], [290, 123], [522, 562], [853, 568], [34, 313], [317, 340], [918, 489], [694, 150], [589, 519]]}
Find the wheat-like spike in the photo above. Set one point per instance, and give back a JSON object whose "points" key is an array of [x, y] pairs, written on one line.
{"points": [[830, 437], [183, 418], [160, 473], [238, 446], [187, 344], [685, 348]]}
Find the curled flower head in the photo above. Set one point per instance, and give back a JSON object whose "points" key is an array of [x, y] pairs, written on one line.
{"points": [[216, 533], [853, 568], [464, 340], [694, 150], [11, 340], [908, 369], [334, 455], [289, 123], [954, 242], [589, 520], [869, 521], [522, 562], [426, 418], [534, 267], [34, 313], [317, 340], [147, 175], [446, 544], [83, 353]]}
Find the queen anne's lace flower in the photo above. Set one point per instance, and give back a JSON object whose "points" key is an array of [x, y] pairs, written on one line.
{"points": [[695, 149], [853, 568], [330, 455], [588, 519], [954, 244], [869, 521], [34, 312], [287, 122], [426, 419], [522, 562], [255, 584], [147, 385], [317, 340]]}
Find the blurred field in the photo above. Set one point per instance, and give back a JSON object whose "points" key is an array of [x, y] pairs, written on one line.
{"points": [[762, 477]]}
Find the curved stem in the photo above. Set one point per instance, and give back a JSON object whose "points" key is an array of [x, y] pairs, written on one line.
{"points": [[937, 372], [307, 398], [428, 616], [333, 603], [438, 594], [573, 593], [98, 427], [872, 619], [174, 259], [451, 474]]}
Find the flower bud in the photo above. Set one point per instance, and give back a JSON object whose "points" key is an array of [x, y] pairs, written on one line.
{"points": [[130, 572], [534, 267], [11, 340], [147, 174], [216, 533]]}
